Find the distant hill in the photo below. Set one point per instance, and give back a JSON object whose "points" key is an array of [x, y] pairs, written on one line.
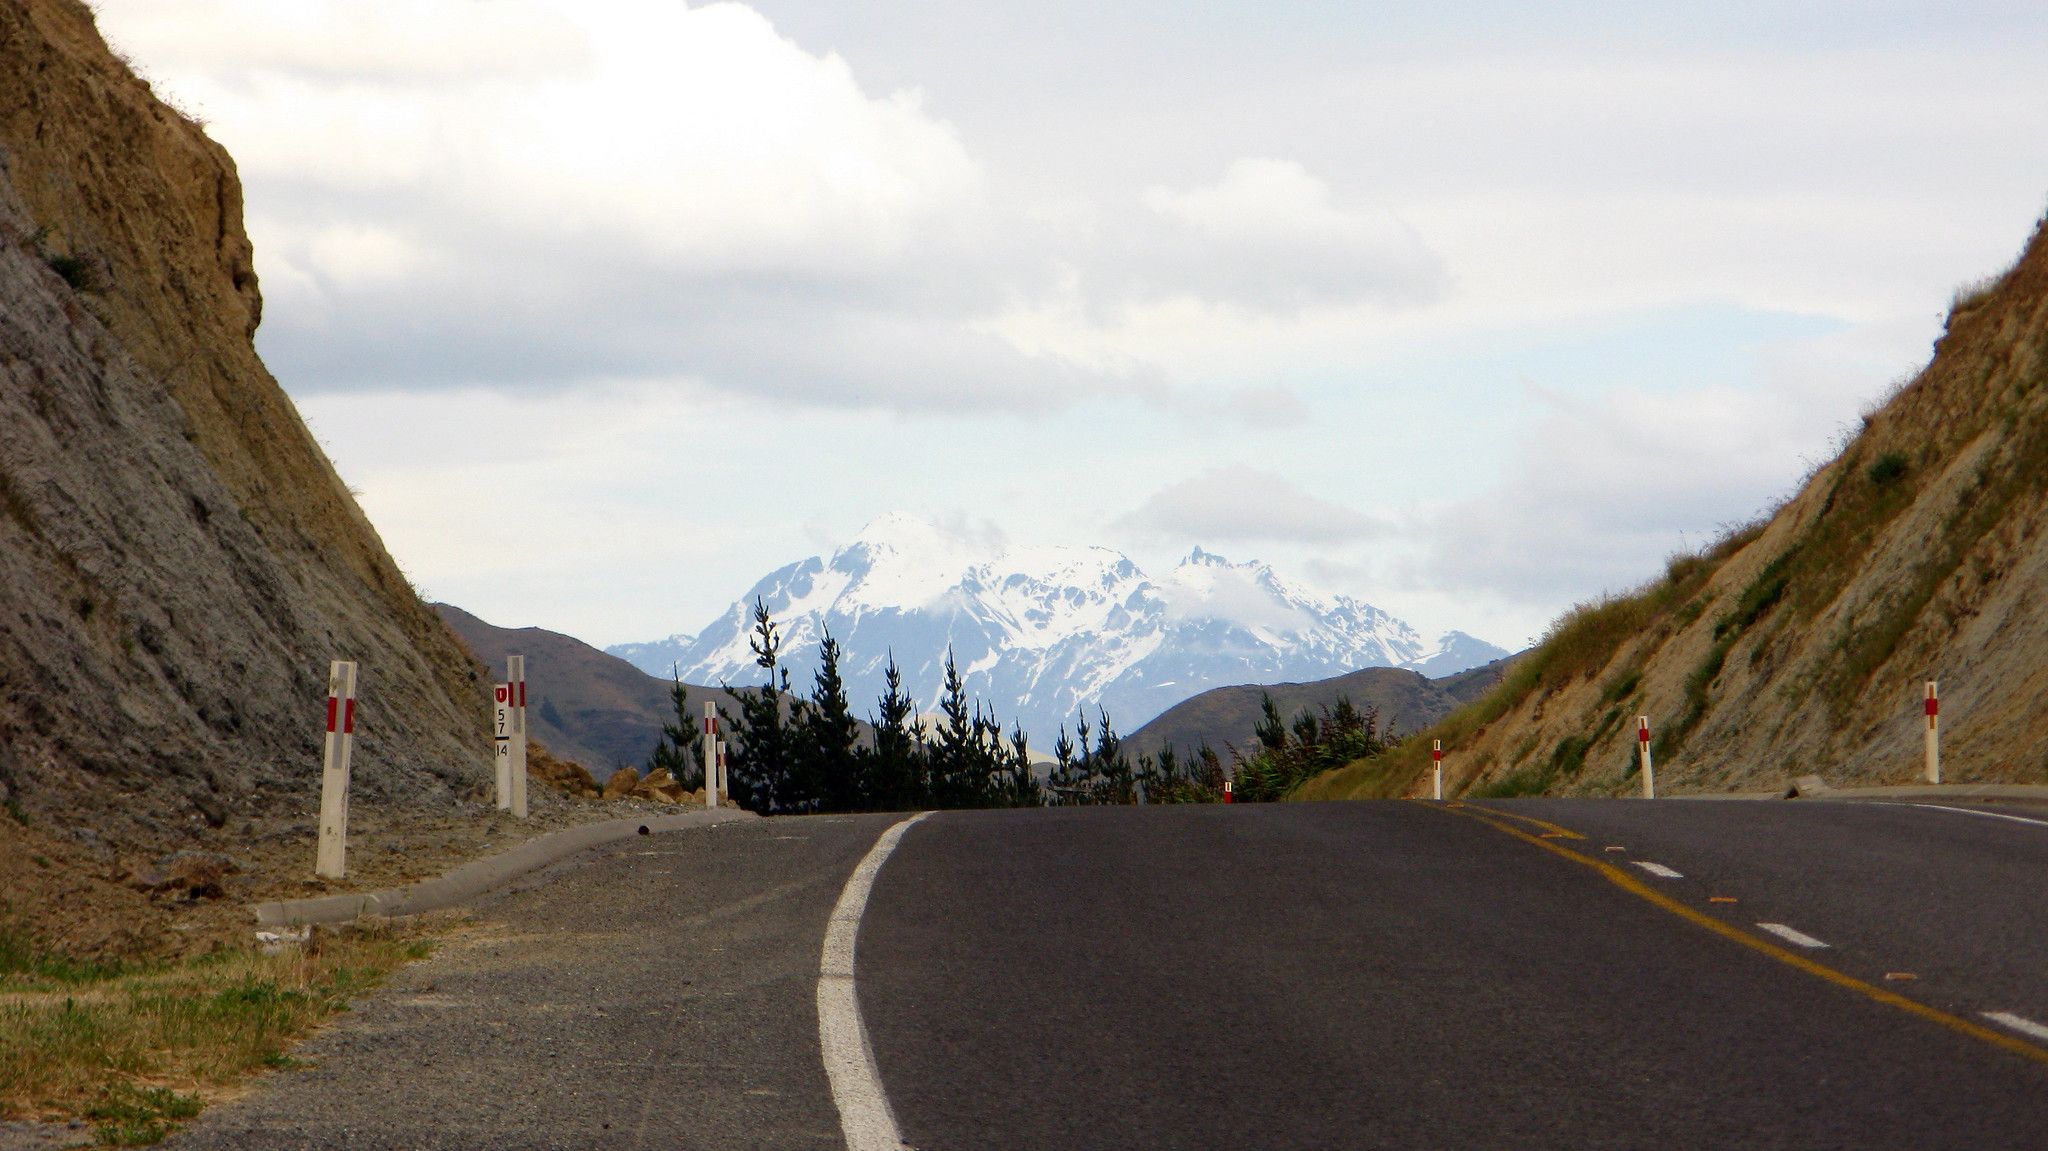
{"points": [[583, 704], [594, 708], [1406, 700], [1802, 643]]}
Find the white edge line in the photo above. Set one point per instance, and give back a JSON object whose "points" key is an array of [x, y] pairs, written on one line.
{"points": [[2019, 1023], [1985, 814], [1656, 869], [1789, 935], [864, 1114]]}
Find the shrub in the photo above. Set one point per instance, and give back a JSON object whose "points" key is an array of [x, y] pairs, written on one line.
{"points": [[1889, 469]]}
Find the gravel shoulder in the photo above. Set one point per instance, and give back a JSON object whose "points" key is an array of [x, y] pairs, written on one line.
{"points": [[657, 992]]}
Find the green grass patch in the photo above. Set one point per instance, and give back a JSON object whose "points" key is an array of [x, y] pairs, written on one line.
{"points": [[136, 1048], [130, 1116]]}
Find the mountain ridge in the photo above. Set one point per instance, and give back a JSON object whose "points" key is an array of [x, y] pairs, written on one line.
{"points": [[1404, 700], [1041, 631]]}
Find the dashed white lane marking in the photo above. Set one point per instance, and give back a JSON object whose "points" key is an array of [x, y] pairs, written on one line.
{"points": [[2019, 1023], [1656, 869], [1790, 936], [864, 1114], [1985, 814]]}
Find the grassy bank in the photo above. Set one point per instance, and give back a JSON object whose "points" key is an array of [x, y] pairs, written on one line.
{"points": [[134, 1049]]}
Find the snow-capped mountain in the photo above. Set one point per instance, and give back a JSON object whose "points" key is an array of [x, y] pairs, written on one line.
{"points": [[1040, 632]]}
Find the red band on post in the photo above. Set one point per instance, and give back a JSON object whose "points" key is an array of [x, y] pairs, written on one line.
{"points": [[348, 719], [332, 704], [1933, 706]]}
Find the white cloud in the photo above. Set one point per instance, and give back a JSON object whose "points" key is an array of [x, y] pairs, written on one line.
{"points": [[1602, 489], [1270, 235], [578, 192], [1238, 503]]}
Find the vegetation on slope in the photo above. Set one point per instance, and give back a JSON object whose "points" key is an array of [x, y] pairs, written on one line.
{"points": [[1784, 643]]}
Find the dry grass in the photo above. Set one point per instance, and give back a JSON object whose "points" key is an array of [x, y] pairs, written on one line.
{"points": [[135, 1049], [1582, 642]]}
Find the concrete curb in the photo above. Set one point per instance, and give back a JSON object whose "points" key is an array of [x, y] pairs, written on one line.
{"points": [[473, 879]]}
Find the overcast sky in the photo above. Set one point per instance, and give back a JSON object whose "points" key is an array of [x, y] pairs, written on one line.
{"points": [[1471, 310]]}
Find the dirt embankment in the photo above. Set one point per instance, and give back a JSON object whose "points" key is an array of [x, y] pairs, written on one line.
{"points": [[178, 559], [1802, 644]]}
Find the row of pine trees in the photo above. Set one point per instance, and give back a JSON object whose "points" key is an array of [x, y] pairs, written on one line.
{"points": [[793, 752]]}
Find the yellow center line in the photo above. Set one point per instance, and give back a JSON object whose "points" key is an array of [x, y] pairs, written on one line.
{"points": [[1635, 887], [1553, 830]]}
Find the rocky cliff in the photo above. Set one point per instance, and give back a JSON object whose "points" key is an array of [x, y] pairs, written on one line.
{"points": [[1801, 643], [178, 559]]}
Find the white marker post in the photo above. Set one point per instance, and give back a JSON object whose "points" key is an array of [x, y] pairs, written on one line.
{"points": [[1643, 742], [724, 784], [1436, 755], [331, 860], [1933, 732], [501, 738], [515, 671], [710, 755]]}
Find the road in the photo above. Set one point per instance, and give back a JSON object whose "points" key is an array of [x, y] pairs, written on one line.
{"points": [[1398, 975]]}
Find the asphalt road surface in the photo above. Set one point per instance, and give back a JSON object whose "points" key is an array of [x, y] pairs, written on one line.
{"points": [[1533, 974]]}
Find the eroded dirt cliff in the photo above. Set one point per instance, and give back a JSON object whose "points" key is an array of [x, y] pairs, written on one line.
{"points": [[178, 559]]}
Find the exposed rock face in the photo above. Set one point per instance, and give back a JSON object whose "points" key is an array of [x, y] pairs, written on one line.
{"points": [[1801, 646], [178, 560]]}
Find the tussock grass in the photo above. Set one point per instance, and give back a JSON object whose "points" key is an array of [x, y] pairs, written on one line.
{"points": [[1582, 642], [136, 1048]]}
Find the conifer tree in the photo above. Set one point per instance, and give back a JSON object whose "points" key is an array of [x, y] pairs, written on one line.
{"points": [[894, 763], [831, 769], [1023, 790], [1271, 730], [1063, 774], [953, 762], [758, 762], [1112, 766], [678, 750]]}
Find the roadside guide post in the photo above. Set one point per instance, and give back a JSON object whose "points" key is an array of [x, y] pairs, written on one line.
{"points": [[710, 755], [331, 859], [501, 739], [724, 785], [1643, 742], [1933, 732], [1227, 798], [1436, 755], [515, 671]]}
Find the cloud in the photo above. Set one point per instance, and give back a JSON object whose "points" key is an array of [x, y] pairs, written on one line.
{"points": [[1238, 503], [1270, 235], [575, 193], [1601, 489]]}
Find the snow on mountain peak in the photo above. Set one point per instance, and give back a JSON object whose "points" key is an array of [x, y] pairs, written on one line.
{"points": [[1041, 631]]}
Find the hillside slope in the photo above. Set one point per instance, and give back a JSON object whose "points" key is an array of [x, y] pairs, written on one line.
{"points": [[583, 704], [1801, 644], [178, 560], [1406, 701]]}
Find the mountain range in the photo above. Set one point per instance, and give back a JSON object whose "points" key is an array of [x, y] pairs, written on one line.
{"points": [[1041, 632]]}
